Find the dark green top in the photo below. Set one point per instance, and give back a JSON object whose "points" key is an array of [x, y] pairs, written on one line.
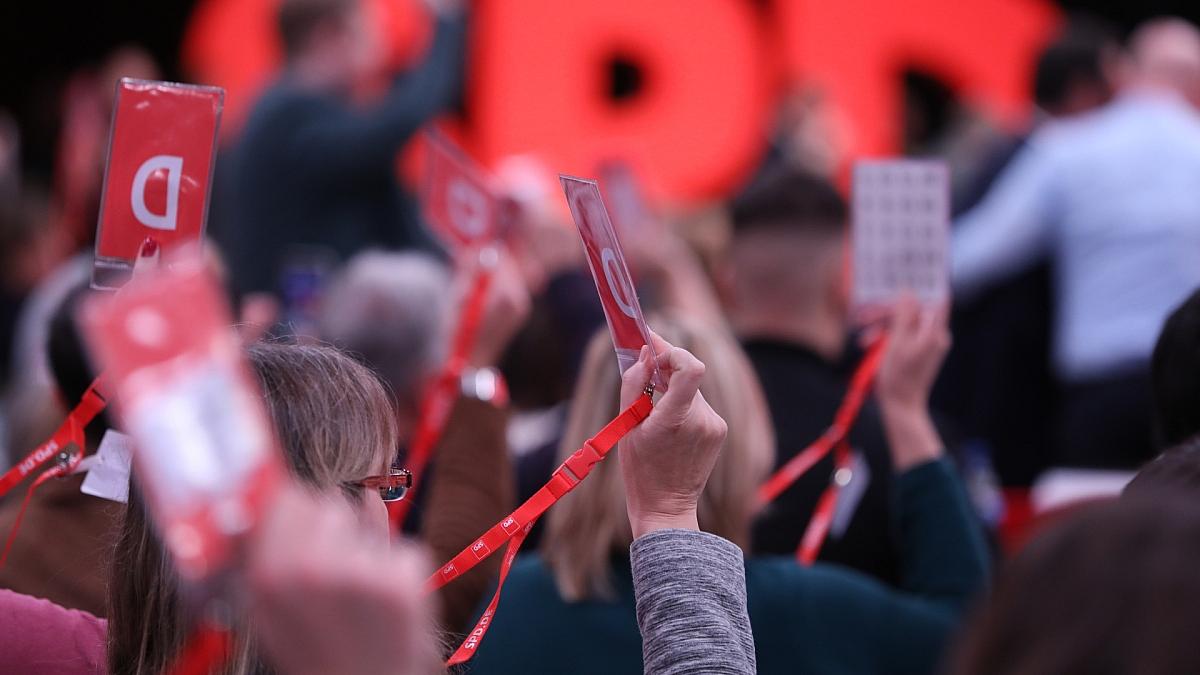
{"points": [[820, 619]]}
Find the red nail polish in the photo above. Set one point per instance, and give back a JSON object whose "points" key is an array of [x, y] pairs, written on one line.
{"points": [[149, 247]]}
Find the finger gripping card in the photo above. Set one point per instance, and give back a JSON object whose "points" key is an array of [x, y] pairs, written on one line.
{"points": [[205, 453], [460, 203], [607, 263], [901, 229], [159, 172]]}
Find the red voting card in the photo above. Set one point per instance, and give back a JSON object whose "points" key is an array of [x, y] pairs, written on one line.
{"points": [[901, 228], [157, 182], [609, 271], [205, 450], [460, 203]]}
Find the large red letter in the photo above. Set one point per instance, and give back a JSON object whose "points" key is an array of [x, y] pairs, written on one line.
{"points": [[541, 75], [854, 49]]}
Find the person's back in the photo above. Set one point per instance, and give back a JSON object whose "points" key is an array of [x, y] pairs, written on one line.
{"points": [[1129, 231], [790, 306], [315, 169]]}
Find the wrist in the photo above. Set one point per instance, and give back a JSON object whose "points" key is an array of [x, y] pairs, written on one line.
{"points": [[911, 436], [647, 522]]}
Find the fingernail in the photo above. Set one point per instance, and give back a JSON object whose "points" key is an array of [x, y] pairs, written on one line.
{"points": [[149, 247]]}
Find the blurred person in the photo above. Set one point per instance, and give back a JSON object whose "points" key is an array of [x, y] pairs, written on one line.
{"points": [[789, 304], [999, 369], [314, 169], [1175, 375], [393, 312], [1111, 589], [1108, 198], [823, 618], [64, 547], [336, 428]]}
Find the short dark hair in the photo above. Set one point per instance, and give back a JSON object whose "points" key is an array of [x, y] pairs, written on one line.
{"points": [[1075, 56], [297, 19], [791, 199], [1111, 588], [1175, 375], [70, 367]]}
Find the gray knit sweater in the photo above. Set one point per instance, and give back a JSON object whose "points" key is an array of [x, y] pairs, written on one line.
{"points": [[691, 604]]}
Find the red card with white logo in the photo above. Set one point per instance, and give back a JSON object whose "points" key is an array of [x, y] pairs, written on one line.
{"points": [[205, 451], [901, 229], [461, 205], [159, 173], [609, 271]]}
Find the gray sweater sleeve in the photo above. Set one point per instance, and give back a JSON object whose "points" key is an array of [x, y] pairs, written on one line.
{"points": [[691, 604]]}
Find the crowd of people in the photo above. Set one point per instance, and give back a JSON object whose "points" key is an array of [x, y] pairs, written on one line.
{"points": [[1075, 269]]}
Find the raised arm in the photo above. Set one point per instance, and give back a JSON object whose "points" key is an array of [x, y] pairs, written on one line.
{"points": [[1011, 229], [343, 146], [690, 586], [942, 550]]}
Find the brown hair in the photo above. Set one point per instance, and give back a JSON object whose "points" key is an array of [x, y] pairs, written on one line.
{"points": [[335, 424], [297, 19], [1113, 589], [590, 526]]}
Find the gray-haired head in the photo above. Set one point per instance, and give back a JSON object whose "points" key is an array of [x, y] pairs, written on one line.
{"points": [[391, 310]]}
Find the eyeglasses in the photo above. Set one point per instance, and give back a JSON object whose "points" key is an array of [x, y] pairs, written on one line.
{"points": [[392, 487]]}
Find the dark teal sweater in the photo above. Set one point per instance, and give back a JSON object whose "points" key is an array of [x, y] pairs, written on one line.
{"points": [[820, 619]]}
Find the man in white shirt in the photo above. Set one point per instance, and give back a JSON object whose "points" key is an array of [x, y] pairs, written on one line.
{"points": [[1112, 197]]}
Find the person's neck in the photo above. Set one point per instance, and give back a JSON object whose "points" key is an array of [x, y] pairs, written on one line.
{"points": [[821, 332]]}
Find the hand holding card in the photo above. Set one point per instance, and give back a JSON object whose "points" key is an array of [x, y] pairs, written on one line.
{"points": [[158, 178], [460, 202]]}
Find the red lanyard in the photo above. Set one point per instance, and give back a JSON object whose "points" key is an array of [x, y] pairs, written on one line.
{"points": [[439, 399], [833, 438], [68, 433], [206, 649], [513, 529]]}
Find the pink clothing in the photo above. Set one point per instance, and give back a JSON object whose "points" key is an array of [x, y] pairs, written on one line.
{"points": [[38, 637]]}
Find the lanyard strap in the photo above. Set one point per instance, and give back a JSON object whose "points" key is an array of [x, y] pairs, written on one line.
{"points": [[822, 518], [70, 431], [843, 420], [512, 530], [206, 649], [439, 399]]}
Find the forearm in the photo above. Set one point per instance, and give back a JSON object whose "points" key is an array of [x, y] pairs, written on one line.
{"points": [[943, 554], [471, 488], [691, 603]]}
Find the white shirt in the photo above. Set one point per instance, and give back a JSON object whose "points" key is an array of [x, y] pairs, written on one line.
{"points": [[1114, 197]]}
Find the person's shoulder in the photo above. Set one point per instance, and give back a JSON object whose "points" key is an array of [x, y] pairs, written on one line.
{"points": [[281, 103]]}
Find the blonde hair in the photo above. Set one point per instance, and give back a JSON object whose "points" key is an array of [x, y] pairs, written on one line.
{"points": [[590, 526], [335, 424]]}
